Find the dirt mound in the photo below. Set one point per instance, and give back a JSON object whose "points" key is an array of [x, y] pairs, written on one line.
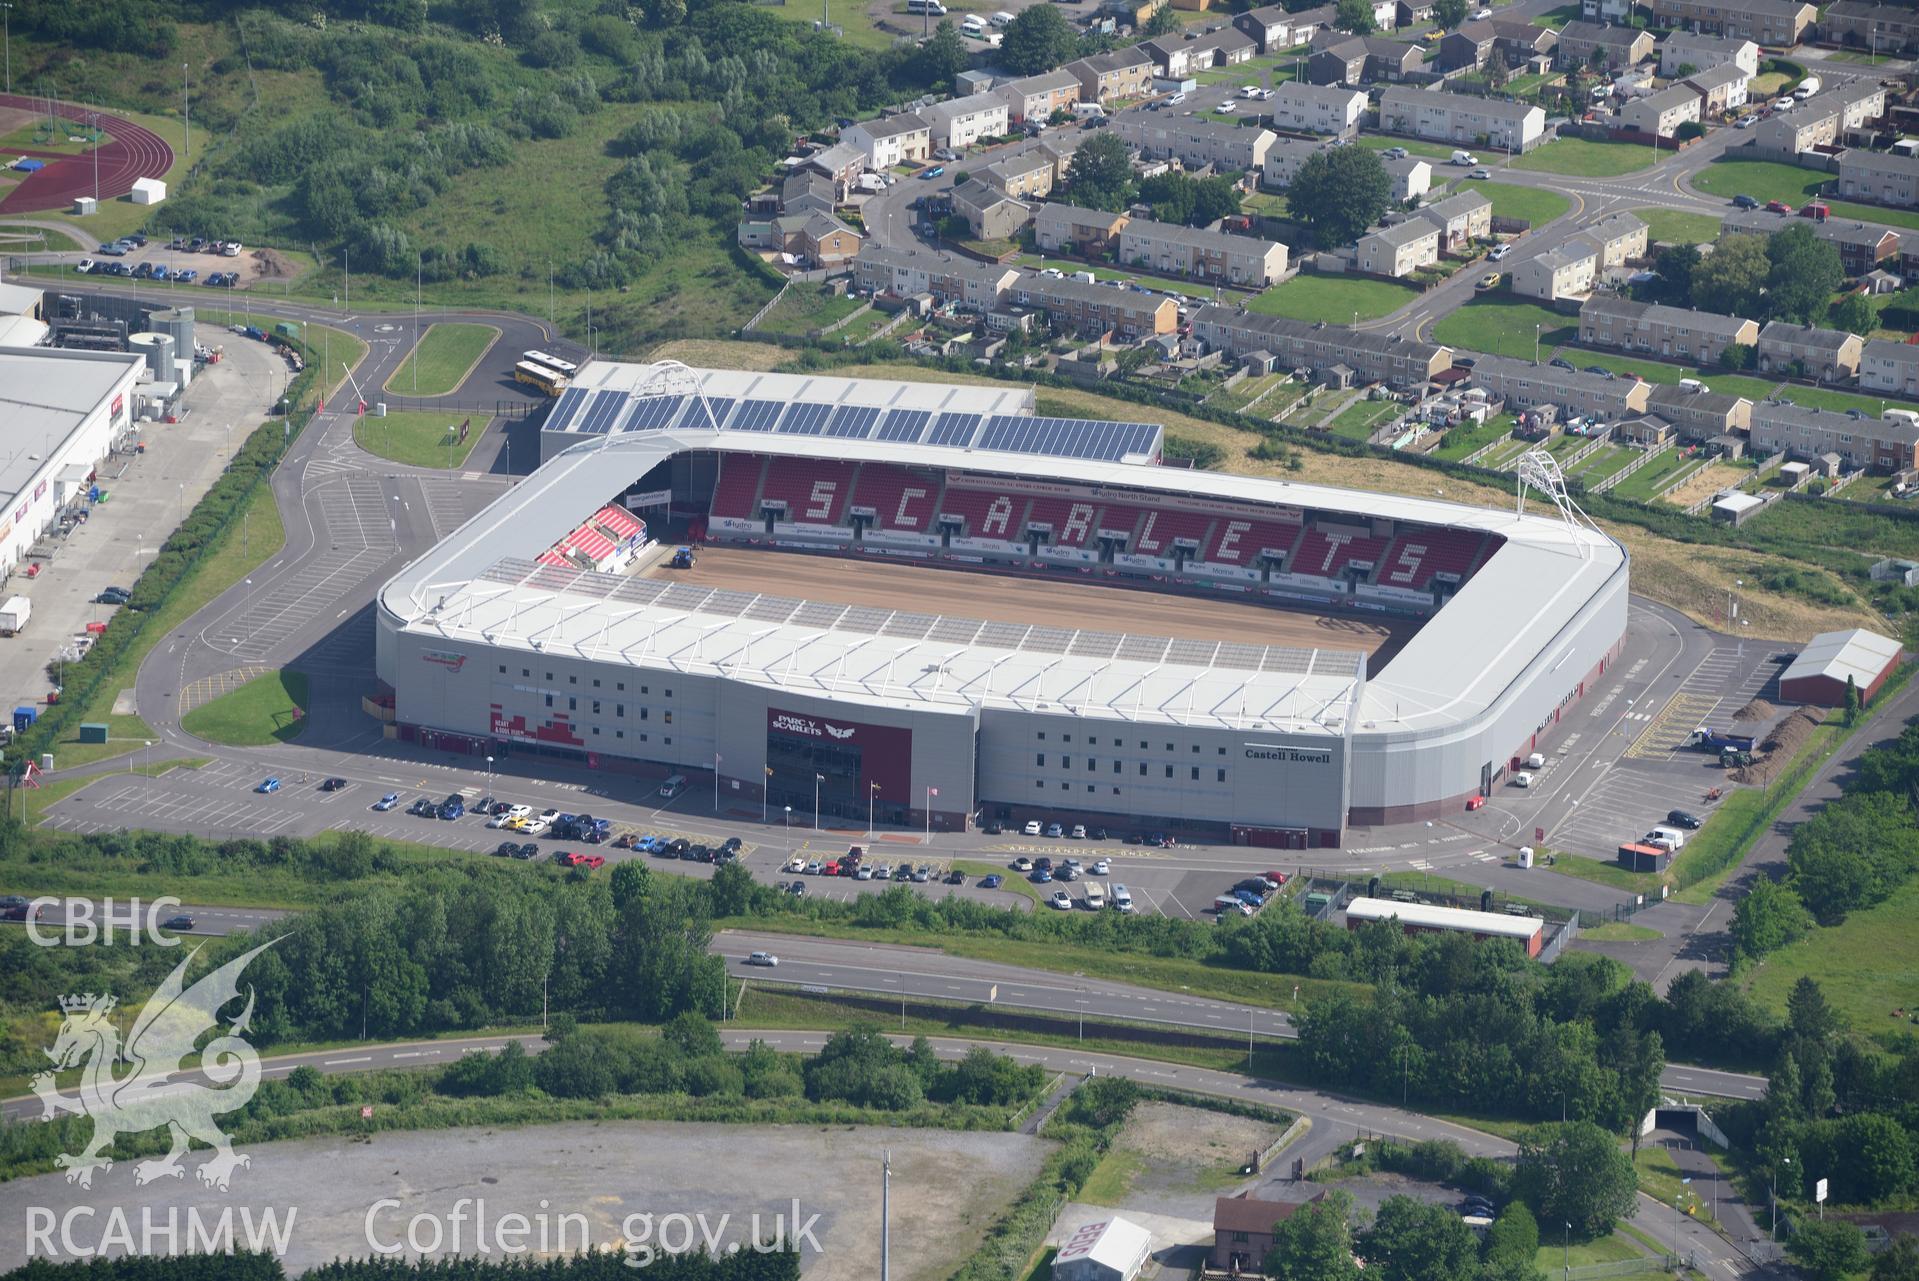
{"points": [[1757, 710], [271, 264], [1776, 751]]}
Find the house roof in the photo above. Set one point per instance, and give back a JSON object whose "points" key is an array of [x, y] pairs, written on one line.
{"points": [[1250, 1214], [1197, 237], [1269, 15], [1898, 353], [1551, 378], [1729, 46], [1454, 206], [971, 104], [1516, 31], [1114, 60], [1665, 100], [893, 126], [1782, 414], [1671, 399], [1354, 341], [1706, 322], [1078, 214], [1602, 34], [1784, 331], [1477, 32], [1879, 162], [1487, 108], [1859, 654], [1329, 95], [1401, 234], [1615, 225], [979, 197], [1044, 82], [1115, 1244], [1726, 73]]}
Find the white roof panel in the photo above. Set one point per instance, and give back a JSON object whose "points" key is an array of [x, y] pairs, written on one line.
{"points": [[1858, 653], [1445, 918]]}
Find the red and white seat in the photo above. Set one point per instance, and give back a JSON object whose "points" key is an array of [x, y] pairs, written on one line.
{"points": [[1329, 554], [902, 500], [737, 492], [1157, 531], [1074, 521], [814, 490], [1239, 542], [987, 513], [1416, 557]]}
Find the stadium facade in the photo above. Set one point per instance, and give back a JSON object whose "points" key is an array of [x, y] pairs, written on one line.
{"points": [[545, 624]]}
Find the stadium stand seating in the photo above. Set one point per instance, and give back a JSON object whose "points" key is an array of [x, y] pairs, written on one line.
{"points": [[1239, 542], [1074, 520], [1416, 557], [814, 490], [737, 492], [987, 514], [1155, 534], [1492, 544], [903, 500], [1328, 555]]}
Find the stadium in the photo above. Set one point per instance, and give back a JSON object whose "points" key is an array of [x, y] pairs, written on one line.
{"points": [[928, 603]]}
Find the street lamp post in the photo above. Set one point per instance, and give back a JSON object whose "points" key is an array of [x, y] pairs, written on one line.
{"points": [[789, 822], [1772, 1229], [489, 776], [1566, 1259], [817, 780], [6, 15]]}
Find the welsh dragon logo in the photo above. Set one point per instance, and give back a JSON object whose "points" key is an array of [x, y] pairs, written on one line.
{"points": [[155, 1089]]}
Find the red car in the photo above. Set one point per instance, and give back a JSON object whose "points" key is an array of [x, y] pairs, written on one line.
{"points": [[1475, 802], [831, 869], [1778, 207], [591, 862], [1277, 878]]}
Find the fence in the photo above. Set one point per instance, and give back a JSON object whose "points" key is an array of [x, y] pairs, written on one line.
{"points": [[1629, 469], [1472, 459], [1623, 1267], [1587, 450], [1685, 473], [771, 303]]}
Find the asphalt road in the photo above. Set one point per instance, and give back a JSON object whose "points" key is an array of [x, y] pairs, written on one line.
{"points": [[1329, 1113]]}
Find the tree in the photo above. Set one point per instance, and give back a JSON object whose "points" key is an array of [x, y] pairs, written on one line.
{"points": [[1688, 130], [1339, 193], [1733, 279], [943, 56], [1575, 1173], [1852, 699], [630, 880], [1164, 21], [1499, 68], [1411, 1240], [1808, 1013], [1355, 16], [1805, 272], [1316, 1243], [1767, 918], [1675, 265], [1898, 1261], [1828, 1251], [730, 890], [1513, 1236], [1855, 315], [1039, 39], [1101, 172], [1448, 14]]}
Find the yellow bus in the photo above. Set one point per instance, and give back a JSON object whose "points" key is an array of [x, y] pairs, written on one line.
{"points": [[547, 381], [565, 368]]}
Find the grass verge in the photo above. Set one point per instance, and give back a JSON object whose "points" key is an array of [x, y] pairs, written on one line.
{"points": [[421, 438], [1676, 227], [442, 359], [1661, 1179], [1339, 299], [1505, 326], [1578, 157], [267, 709]]}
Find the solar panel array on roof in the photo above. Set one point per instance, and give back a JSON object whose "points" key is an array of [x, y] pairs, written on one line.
{"points": [[1107, 442], [590, 412]]}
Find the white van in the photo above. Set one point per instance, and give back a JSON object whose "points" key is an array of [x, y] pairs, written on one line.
{"points": [[1536, 761], [1095, 896], [673, 786], [1807, 87], [1673, 836], [1522, 779], [1693, 384], [1002, 19], [1122, 899], [933, 7], [972, 26], [1906, 416], [1465, 158], [1089, 111]]}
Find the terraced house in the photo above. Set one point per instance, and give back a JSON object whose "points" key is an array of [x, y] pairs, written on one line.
{"points": [[1880, 177], [1027, 176], [1874, 27], [1872, 444], [891, 140], [1671, 333], [1311, 108], [1619, 46], [1862, 245], [1567, 271], [1412, 177], [958, 123], [1770, 23], [1699, 413], [1682, 49], [1399, 250], [1620, 237], [1036, 98], [1890, 367], [1216, 256], [1806, 351], [1461, 119], [1321, 347], [1196, 143], [1660, 114], [1094, 310], [1178, 56], [1090, 233], [1724, 88], [1827, 117], [1113, 76], [948, 278], [1524, 385], [1283, 160], [1275, 29], [1461, 219]]}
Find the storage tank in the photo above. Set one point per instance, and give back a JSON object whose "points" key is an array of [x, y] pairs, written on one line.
{"points": [[158, 349], [177, 323]]}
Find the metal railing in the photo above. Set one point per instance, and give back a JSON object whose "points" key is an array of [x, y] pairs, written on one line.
{"points": [[1631, 467]]}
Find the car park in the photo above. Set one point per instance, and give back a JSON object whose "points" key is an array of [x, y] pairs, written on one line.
{"points": [[387, 802], [268, 786]]}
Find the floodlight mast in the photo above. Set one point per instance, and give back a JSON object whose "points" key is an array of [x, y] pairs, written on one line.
{"points": [[1539, 470]]}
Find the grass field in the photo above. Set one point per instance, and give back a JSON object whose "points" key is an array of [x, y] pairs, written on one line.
{"points": [[1504, 326], [267, 709], [445, 354], [1579, 1254], [805, 307], [1769, 180], [118, 217], [1466, 439], [1536, 205], [38, 137], [1338, 299], [422, 438], [1640, 486], [1603, 463], [851, 17], [1577, 157], [1620, 932], [1673, 226], [1868, 965], [1357, 420]]}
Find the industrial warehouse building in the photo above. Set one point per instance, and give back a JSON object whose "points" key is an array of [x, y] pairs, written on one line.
{"points": [[64, 411], [547, 625], [1832, 660]]}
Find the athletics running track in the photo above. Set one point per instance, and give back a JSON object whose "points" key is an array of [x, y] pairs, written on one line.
{"points": [[133, 153]]}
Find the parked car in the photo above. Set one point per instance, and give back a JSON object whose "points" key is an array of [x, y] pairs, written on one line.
{"points": [[85, 266], [992, 881], [1061, 900], [332, 784], [1103, 868], [1560, 362], [1778, 207], [1055, 830], [387, 802], [1079, 832], [1022, 864], [1041, 876], [1683, 818], [1744, 202], [934, 172], [1500, 253], [1032, 828], [268, 786], [1488, 281]]}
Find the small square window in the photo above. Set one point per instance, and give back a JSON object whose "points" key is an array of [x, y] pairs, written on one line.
{"points": [[1169, 771], [1039, 759], [621, 687], [1042, 736], [1064, 785], [1039, 782], [642, 689], [1066, 762], [502, 669], [596, 682], [525, 673], [573, 680], [549, 675], [1222, 776], [619, 733], [668, 740], [1195, 774], [1069, 738], [1089, 788], [596, 731], [668, 693], [1222, 751]]}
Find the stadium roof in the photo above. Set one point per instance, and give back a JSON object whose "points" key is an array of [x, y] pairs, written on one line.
{"points": [[1522, 605], [45, 394]]}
